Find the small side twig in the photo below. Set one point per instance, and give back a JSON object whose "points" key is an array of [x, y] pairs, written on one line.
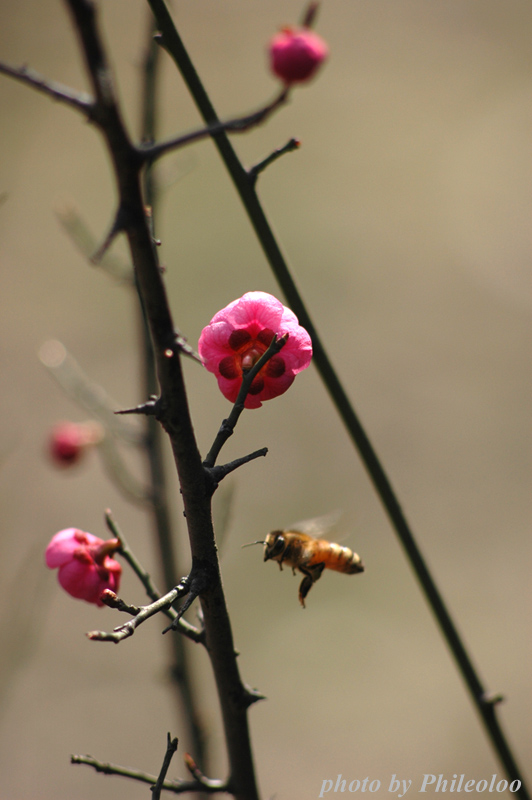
{"points": [[111, 600], [195, 634], [176, 786], [290, 146], [118, 226], [144, 612], [218, 473], [171, 748], [81, 101]]}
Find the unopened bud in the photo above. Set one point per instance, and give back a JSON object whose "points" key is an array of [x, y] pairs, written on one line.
{"points": [[296, 54]]}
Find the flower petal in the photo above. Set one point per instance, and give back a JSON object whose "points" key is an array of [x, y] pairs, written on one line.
{"points": [[240, 332], [64, 544]]}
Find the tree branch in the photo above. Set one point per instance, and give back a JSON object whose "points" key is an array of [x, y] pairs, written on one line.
{"points": [[174, 411], [188, 630], [142, 614], [171, 747], [177, 786], [80, 101]]}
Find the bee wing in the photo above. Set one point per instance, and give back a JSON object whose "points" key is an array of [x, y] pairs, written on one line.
{"points": [[318, 527]]}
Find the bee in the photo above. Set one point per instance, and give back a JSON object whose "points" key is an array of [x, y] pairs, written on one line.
{"points": [[309, 555]]}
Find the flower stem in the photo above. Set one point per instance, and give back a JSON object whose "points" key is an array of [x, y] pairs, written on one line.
{"points": [[228, 425]]}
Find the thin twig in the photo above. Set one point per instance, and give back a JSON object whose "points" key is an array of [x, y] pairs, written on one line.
{"points": [[218, 473], [126, 630], [171, 748], [290, 146], [177, 786], [190, 631], [80, 101], [151, 152]]}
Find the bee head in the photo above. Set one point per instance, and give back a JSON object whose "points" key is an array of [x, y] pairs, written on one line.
{"points": [[274, 545]]}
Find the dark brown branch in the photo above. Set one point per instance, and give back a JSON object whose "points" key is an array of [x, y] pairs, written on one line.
{"points": [[174, 412], [218, 473]]}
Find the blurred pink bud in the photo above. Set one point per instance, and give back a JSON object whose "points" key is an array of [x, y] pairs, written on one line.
{"points": [[240, 333], [85, 565], [69, 440], [296, 54]]}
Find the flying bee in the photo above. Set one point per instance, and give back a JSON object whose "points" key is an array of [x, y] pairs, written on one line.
{"points": [[309, 555]]}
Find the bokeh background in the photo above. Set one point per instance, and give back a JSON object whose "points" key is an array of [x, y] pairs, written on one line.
{"points": [[405, 216]]}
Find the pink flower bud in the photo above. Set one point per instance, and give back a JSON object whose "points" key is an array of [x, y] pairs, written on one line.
{"points": [[296, 54], [85, 565], [240, 333], [69, 440]]}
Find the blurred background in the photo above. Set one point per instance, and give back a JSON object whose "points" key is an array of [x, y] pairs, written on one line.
{"points": [[405, 216]]}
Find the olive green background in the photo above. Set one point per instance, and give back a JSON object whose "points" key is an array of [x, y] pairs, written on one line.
{"points": [[405, 216]]}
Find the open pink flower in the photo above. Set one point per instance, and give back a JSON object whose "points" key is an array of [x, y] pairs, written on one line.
{"points": [[85, 564], [240, 333], [296, 54]]}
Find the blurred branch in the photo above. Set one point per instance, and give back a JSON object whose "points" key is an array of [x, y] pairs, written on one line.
{"points": [[78, 232], [164, 533], [95, 400], [80, 101], [289, 147], [86, 393]]}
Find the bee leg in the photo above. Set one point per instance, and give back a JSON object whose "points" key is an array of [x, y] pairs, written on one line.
{"points": [[312, 574]]}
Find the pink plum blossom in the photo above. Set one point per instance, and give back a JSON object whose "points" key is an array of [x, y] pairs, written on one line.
{"points": [[85, 564], [69, 440], [296, 54], [240, 333]]}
